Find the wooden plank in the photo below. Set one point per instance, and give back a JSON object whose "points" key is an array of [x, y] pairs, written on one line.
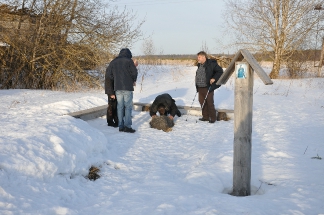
{"points": [[242, 134], [256, 67], [91, 113], [240, 55], [100, 111], [230, 69]]}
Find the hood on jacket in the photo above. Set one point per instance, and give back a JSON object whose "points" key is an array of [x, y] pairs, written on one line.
{"points": [[125, 53]]}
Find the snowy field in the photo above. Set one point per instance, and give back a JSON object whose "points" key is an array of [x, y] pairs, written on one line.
{"points": [[45, 154]]}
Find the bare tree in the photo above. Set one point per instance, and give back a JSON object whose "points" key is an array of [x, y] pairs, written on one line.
{"points": [[149, 50], [277, 27], [148, 59], [54, 44], [148, 47], [204, 47]]}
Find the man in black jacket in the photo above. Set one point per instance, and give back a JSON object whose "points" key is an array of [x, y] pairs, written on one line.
{"points": [[123, 75], [207, 75], [112, 116], [165, 105]]}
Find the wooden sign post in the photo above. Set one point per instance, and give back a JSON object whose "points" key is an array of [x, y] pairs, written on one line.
{"points": [[243, 104], [243, 107]]}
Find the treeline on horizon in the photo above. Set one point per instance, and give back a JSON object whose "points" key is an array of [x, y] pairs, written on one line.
{"points": [[301, 55]]}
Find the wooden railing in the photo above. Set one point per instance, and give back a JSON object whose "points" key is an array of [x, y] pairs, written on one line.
{"points": [[100, 111]]}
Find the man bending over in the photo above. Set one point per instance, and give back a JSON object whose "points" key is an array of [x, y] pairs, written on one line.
{"points": [[165, 105]]}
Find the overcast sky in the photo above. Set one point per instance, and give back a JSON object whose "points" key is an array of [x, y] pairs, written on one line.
{"points": [[179, 26]]}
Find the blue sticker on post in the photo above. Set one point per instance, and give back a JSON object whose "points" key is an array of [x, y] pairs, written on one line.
{"points": [[241, 70]]}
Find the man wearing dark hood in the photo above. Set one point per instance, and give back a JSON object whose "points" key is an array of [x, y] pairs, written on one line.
{"points": [[123, 75]]}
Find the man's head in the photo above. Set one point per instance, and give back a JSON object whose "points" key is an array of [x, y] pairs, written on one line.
{"points": [[125, 52], [201, 57], [161, 109]]}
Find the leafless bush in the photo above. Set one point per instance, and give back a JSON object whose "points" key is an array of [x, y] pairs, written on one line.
{"points": [[149, 50], [297, 65], [149, 60], [60, 44], [296, 69]]}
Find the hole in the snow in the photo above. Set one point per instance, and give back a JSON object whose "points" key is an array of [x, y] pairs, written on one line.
{"points": [[254, 189]]}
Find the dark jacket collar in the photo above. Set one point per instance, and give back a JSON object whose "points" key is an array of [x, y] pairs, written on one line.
{"points": [[207, 62]]}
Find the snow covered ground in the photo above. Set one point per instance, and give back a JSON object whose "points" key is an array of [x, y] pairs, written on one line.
{"points": [[45, 154]]}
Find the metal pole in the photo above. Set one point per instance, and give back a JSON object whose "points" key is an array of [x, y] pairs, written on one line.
{"points": [[191, 105]]}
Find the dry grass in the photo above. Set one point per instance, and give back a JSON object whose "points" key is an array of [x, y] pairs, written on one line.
{"points": [[162, 123], [93, 173], [178, 62], [157, 61]]}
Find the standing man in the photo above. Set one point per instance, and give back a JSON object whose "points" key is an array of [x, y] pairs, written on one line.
{"points": [[123, 73], [207, 75]]}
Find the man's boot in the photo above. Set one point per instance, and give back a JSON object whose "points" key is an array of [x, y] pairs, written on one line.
{"points": [[129, 130]]}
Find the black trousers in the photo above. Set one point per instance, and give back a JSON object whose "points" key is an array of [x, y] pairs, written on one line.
{"points": [[112, 117]]}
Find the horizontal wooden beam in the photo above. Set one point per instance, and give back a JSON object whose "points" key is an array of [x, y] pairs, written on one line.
{"points": [[93, 113]]}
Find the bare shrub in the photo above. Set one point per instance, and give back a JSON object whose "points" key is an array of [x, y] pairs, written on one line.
{"points": [[149, 50], [296, 69], [297, 65], [148, 61], [59, 44]]}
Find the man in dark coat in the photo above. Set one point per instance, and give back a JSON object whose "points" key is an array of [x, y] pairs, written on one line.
{"points": [[123, 74], [207, 75], [112, 116], [165, 105]]}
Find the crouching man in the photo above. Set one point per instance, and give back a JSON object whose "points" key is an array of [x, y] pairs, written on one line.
{"points": [[165, 105]]}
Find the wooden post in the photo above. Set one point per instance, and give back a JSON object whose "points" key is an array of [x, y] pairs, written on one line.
{"points": [[243, 105]]}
